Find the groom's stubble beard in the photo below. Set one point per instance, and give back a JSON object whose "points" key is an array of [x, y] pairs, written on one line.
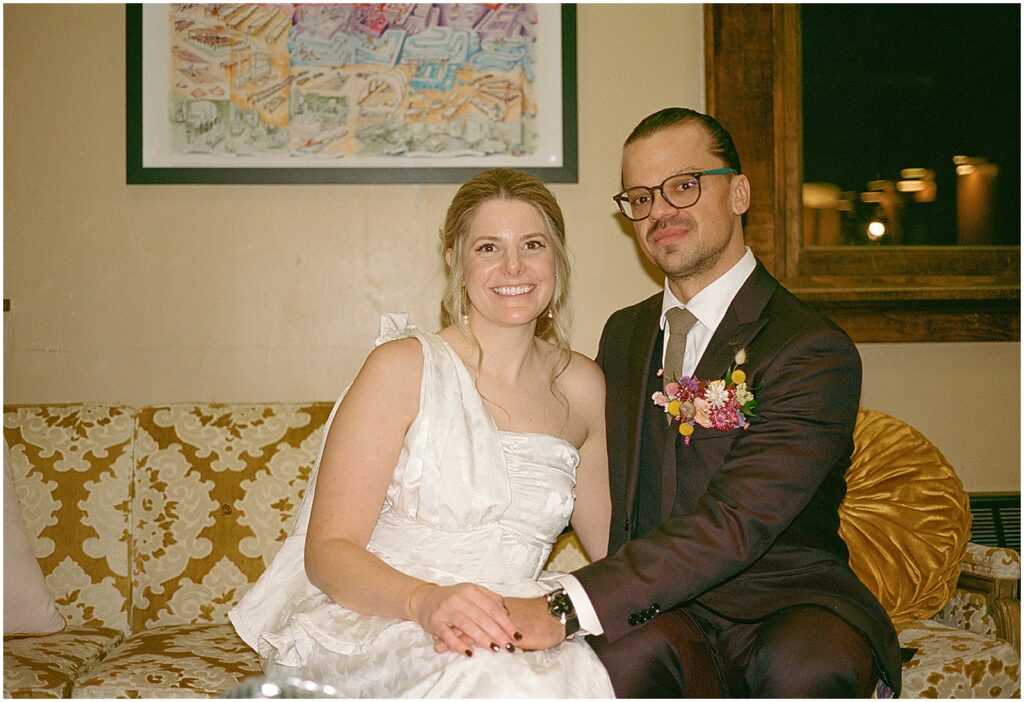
{"points": [[683, 260]]}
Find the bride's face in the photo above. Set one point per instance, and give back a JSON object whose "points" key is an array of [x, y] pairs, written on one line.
{"points": [[508, 263]]}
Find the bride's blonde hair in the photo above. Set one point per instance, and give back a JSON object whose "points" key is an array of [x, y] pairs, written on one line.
{"points": [[506, 184]]}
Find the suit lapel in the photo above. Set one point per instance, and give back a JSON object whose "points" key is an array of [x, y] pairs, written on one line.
{"points": [[641, 350], [741, 323]]}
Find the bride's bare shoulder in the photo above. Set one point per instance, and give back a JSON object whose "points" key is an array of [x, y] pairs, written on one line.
{"points": [[400, 356], [582, 380]]}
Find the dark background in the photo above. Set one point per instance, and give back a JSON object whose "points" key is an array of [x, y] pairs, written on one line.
{"points": [[888, 87]]}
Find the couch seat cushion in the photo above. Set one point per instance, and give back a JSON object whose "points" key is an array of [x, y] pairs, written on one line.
{"points": [[177, 660], [45, 666], [954, 663]]}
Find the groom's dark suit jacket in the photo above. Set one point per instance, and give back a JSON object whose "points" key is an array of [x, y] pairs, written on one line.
{"points": [[748, 520]]}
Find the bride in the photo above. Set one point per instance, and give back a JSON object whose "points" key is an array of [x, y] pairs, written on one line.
{"points": [[450, 466]]}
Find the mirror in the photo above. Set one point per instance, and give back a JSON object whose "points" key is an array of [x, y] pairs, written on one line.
{"points": [[911, 125], [877, 292]]}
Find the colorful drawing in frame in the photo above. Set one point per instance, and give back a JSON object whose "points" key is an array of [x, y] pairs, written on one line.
{"points": [[356, 85]]}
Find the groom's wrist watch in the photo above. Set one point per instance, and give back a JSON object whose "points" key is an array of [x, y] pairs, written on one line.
{"points": [[560, 607]]}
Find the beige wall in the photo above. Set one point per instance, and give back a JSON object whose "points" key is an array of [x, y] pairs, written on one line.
{"points": [[149, 294], [964, 397]]}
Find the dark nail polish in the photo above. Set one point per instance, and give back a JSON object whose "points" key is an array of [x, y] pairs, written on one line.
{"points": [[519, 637], [510, 648], [494, 647], [469, 654]]}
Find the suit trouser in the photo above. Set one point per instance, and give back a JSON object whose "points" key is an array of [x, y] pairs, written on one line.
{"points": [[801, 651]]}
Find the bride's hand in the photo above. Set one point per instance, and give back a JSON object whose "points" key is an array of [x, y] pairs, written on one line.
{"points": [[461, 615], [441, 647]]}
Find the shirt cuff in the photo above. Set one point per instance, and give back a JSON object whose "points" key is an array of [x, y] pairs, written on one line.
{"points": [[589, 623]]}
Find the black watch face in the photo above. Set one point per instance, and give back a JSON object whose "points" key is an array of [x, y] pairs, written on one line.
{"points": [[561, 604]]}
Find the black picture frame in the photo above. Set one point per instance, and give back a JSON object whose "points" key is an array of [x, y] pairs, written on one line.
{"points": [[139, 174]]}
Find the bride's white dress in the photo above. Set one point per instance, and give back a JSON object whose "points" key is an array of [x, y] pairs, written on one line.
{"points": [[466, 503]]}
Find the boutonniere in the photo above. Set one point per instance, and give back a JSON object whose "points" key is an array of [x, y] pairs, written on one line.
{"points": [[715, 404]]}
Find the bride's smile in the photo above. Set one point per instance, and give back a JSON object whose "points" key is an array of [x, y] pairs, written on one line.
{"points": [[511, 291]]}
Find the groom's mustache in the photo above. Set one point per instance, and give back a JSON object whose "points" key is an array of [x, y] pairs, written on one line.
{"points": [[679, 221]]}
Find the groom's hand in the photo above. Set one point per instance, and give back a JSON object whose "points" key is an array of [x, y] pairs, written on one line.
{"points": [[540, 630]]}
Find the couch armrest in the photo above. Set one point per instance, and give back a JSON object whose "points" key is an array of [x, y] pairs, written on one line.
{"points": [[987, 598]]}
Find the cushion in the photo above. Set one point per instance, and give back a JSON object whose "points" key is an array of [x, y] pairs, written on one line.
{"points": [[46, 666], [953, 663], [239, 473], [28, 604], [567, 554], [906, 517], [72, 465], [182, 660]]}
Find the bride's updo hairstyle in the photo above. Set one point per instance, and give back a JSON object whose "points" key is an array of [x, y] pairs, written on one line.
{"points": [[506, 184]]}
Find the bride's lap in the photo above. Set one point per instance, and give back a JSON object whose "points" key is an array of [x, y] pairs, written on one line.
{"points": [[417, 672]]}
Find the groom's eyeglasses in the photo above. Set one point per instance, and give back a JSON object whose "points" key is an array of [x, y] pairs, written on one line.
{"points": [[680, 191]]}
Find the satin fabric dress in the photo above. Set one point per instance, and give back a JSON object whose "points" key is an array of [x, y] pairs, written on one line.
{"points": [[466, 503]]}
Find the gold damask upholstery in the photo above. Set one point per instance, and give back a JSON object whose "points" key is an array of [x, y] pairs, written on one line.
{"points": [[987, 599], [72, 467], [47, 666], [567, 554], [177, 660], [955, 663], [216, 489], [197, 498]]}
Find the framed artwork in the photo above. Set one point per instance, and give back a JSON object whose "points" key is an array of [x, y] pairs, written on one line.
{"points": [[349, 93]]}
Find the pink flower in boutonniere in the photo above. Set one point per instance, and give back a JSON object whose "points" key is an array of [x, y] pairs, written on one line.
{"points": [[714, 404]]}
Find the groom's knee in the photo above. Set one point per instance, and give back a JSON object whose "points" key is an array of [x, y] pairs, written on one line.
{"points": [[667, 657], [810, 652]]}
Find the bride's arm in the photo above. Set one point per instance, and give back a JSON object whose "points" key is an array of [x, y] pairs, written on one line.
{"points": [[360, 454], [592, 512]]}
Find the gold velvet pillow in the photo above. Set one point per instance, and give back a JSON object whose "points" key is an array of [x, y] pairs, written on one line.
{"points": [[906, 517]]}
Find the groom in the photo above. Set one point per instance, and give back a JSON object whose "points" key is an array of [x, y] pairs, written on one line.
{"points": [[727, 575]]}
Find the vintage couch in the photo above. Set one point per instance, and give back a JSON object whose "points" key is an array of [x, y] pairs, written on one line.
{"points": [[150, 523]]}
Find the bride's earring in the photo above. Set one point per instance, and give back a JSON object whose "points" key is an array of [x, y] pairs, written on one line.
{"points": [[551, 314], [464, 303]]}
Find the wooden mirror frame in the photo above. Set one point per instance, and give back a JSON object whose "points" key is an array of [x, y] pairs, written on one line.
{"points": [[877, 294]]}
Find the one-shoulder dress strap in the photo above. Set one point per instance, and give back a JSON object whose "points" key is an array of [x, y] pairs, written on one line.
{"points": [[393, 325], [453, 439]]}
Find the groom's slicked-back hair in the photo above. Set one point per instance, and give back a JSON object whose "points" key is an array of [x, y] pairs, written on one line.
{"points": [[720, 141]]}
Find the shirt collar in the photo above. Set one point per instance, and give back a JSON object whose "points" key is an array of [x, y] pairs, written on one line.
{"points": [[710, 304]]}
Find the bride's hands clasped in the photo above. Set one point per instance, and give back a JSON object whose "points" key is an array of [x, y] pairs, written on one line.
{"points": [[462, 615]]}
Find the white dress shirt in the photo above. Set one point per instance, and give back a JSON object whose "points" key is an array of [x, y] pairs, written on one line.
{"points": [[708, 306]]}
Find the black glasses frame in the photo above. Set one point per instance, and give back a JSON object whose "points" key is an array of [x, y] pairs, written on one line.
{"points": [[622, 199]]}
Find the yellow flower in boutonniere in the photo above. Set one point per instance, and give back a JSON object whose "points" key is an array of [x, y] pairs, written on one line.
{"points": [[737, 376], [716, 404]]}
